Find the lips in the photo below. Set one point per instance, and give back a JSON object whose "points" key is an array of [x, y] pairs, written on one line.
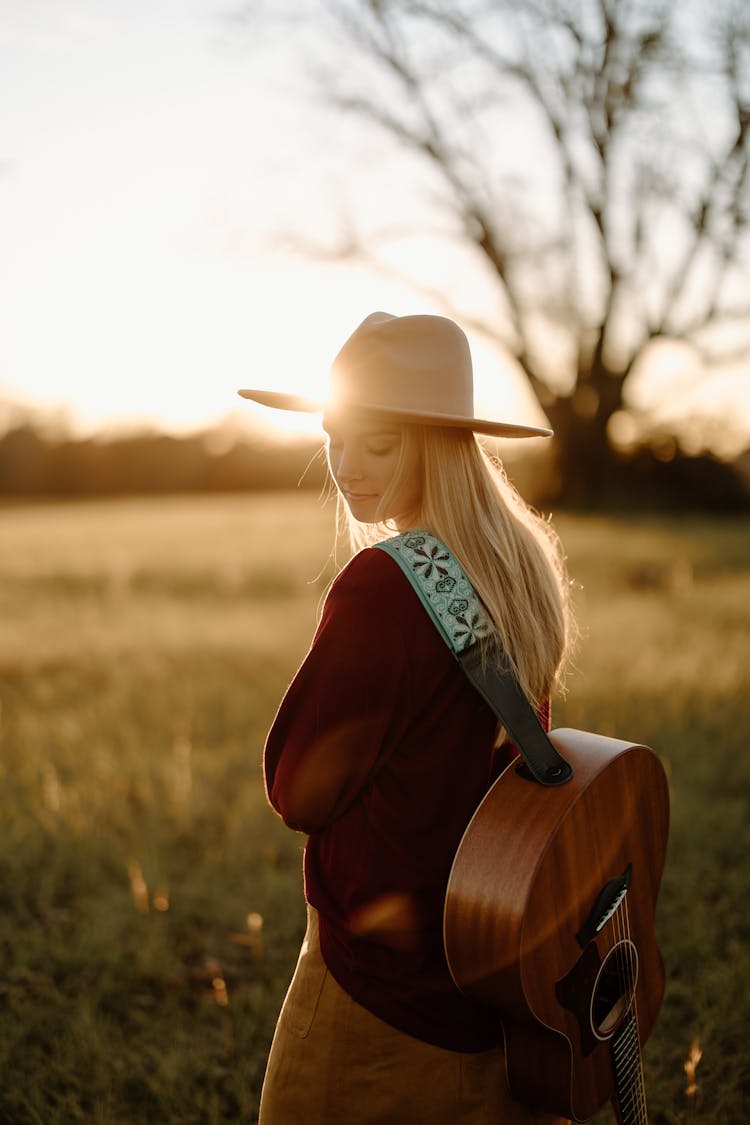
{"points": [[360, 496]]}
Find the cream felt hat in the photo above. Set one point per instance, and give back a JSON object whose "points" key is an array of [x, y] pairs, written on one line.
{"points": [[410, 368]]}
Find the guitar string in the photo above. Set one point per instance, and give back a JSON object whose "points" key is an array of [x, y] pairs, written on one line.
{"points": [[634, 1106], [623, 1049], [631, 1109], [638, 1037], [630, 1106], [619, 1050], [630, 1058], [632, 981], [627, 1051]]}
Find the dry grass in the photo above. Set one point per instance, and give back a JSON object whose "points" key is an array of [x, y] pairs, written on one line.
{"points": [[150, 905]]}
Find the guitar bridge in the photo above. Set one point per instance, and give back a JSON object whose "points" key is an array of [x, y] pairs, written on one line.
{"points": [[607, 902]]}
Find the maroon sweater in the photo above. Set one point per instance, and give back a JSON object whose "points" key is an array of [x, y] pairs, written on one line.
{"points": [[381, 751]]}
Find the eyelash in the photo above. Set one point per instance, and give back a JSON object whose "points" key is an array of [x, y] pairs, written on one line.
{"points": [[334, 443]]}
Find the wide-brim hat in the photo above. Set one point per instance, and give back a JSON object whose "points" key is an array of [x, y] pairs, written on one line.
{"points": [[410, 368]]}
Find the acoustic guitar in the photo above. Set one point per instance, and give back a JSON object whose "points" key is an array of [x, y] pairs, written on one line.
{"points": [[549, 919]]}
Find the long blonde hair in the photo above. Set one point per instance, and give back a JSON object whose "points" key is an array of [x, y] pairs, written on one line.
{"points": [[511, 556]]}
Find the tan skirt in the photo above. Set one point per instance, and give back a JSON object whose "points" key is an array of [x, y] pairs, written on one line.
{"points": [[333, 1063]]}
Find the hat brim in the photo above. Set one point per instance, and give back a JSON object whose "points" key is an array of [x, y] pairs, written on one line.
{"points": [[280, 401]]}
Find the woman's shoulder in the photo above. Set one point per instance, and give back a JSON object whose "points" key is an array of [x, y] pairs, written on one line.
{"points": [[371, 570], [371, 596], [372, 585]]}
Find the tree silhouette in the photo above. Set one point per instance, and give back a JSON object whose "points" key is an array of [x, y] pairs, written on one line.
{"points": [[591, 155]]}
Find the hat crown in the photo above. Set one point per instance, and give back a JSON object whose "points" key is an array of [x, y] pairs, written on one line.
{"points": [[414, 369], [409, 363]]}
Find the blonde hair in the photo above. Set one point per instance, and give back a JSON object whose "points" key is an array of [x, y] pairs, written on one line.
{"points": [[511, 556]]}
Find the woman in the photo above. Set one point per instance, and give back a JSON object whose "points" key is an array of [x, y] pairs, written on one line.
{"points": [[381, 749]]}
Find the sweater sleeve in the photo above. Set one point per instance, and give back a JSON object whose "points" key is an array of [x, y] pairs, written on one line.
{"points": [[343, 709]]}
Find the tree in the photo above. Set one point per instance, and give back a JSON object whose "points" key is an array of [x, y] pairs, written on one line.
{"points": [[592, 155]]}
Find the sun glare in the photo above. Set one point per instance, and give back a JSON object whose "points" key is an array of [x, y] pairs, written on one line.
{"points": [[501, 390], [145, 326], [289, 423]]}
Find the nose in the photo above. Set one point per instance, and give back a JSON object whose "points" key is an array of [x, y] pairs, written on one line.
{"points": [[347, 464]]}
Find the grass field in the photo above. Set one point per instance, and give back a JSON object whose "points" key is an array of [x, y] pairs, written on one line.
{"points": [[150, 903]]}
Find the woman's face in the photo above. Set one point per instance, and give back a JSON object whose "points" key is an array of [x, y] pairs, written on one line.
{"points": [[363, 457]]}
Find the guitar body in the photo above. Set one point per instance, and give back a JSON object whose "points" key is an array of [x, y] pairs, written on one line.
{"points": [[549, 918]]}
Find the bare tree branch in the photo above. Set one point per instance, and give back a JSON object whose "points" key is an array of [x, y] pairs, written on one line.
{"points": [[622, 214]]}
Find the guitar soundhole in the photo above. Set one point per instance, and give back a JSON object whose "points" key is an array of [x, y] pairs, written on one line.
{"points": [[614, 989]]}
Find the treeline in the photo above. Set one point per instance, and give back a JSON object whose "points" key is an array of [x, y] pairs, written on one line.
{"points": [[36, 461], [35, 464]]}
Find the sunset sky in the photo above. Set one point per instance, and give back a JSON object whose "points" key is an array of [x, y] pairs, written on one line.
{"points": [[149, 152]]}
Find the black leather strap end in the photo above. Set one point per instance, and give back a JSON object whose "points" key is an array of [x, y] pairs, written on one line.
{"points": [[501, 690]]}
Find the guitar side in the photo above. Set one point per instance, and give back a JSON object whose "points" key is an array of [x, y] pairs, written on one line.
{"points": [[529, 870]]}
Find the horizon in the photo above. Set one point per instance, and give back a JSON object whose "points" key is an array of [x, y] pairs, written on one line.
{"points": [[144, 181]]}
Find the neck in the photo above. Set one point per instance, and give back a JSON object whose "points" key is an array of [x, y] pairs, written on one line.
{"points": [[629, 1102]]}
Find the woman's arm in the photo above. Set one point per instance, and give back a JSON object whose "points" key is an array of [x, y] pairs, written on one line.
{"points": [[348, 701]]}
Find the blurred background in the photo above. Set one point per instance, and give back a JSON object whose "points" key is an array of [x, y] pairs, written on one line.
{"points": [[200, 195]]}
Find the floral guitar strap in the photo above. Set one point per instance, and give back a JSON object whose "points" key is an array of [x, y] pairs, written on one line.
{"points": [[462, 620]]}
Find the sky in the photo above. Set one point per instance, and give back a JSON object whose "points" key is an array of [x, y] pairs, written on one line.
{"points": [[145, 170], [150, 152], [139, 190]]}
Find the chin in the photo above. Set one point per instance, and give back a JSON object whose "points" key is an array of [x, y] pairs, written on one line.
{"points": [[364, 511]]}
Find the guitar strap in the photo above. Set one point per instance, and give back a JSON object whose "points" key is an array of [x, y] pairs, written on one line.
{"points": [[463, 622]]}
